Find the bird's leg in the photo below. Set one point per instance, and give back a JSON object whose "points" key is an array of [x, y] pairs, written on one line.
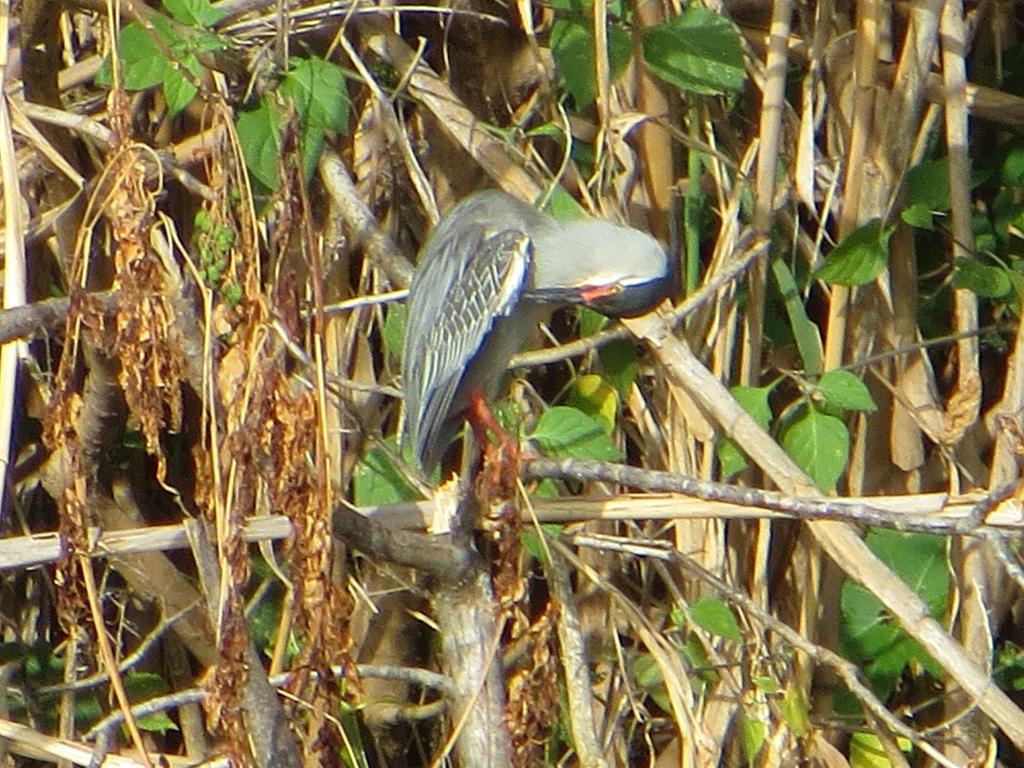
{"points": [[481, 419], [500, 466]]}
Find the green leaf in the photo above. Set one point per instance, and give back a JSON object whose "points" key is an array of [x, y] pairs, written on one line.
{"points": [[264, 618], [232, 294], [547, 130], [169, 61], [928, 185], [563, 206], [650, 678], [616, 8], [141, 686], [194, 13], [697, 655], [820, 445], [621, 365], [870, 638], [585, 155], [395, 319], [143, 64], [547, 489], [765, 684], [88, 709], [868, 634], [591, 321], [866, 637], [259, 134], [716, 617], [1012, 170], [572, 46], [1017, 282], [805, 332], [754, 400], [320, 93], [843, 390], [532, 542], [596, 398], [156, 723], [41, 664], [312, 144], [567, 432], [986, 281], [866, 750], [919, 559], [677, 618], [178, 91], [698, 51], [1005, 211], [377, 481], [918, 215], [796, 712], [1009, 667], [705, 673], [730, 458], [859, 258], [754, 734], [204, 42]]}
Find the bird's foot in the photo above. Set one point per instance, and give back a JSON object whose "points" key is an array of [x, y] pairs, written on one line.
{"points": [[500, 460]]}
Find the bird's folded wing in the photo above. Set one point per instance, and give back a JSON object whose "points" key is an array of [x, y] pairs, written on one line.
{"points": [[468, 282]]}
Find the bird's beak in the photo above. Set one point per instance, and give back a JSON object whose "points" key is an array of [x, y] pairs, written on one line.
{"points": [[576, 294], [590, 294], [615, 299], [618, 300]]}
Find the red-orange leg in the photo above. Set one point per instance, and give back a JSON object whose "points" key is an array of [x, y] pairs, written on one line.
{"points": [[481, 419]]}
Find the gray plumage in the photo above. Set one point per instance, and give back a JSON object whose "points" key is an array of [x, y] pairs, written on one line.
{"points": [[492, 268]]}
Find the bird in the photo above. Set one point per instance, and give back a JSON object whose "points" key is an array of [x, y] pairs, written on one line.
{"points": [[490, 270]]}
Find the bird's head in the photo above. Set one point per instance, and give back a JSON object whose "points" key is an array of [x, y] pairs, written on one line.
{"points": [[615, 270]]}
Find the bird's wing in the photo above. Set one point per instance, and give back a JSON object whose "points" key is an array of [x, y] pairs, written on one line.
{"points": [[469, 277]]}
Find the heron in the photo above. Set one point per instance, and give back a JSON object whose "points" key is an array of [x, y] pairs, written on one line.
{"points": [[490, 271]]}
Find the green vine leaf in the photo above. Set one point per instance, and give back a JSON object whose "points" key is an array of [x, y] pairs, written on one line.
{"points": [[860, 257], [567, 432], [698, 51], [844, 391], [572, 46], [820, 445]]}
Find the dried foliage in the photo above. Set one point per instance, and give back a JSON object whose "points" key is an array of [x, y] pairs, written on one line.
{"points": [[841, 183]]}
